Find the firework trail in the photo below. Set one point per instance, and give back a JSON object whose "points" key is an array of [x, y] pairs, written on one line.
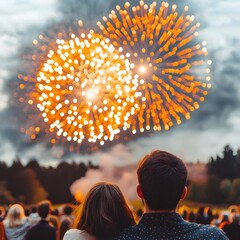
{"points": [[170, 61]]}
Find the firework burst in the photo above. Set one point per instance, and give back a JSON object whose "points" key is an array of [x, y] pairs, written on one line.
{"points": [[84, 89], [170, 61]]}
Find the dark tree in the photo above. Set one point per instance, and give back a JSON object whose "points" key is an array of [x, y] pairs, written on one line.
{"points": [[212, 191], [13, 173], [34, 182], [227, 166], [30, 187], [3, 171]]}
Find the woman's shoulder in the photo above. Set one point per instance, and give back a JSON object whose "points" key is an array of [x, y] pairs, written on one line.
{"points": [[76, 234], [72, 234]]}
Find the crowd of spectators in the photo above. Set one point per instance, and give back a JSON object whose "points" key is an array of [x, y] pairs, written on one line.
{"points": [[43, 221], [227, 220]]}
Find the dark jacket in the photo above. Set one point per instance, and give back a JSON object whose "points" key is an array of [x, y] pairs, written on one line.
{"points": [[41, 231], [165, 226], [232, 230]]}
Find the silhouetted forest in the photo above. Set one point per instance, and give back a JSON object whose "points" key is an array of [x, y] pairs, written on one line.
{"points": [[223, 182], [33, 182]]}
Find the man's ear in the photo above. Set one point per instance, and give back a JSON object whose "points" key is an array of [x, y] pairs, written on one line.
{"points": [[184, 193], [139, 191]]}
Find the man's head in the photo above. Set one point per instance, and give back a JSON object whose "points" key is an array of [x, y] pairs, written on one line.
{"points": [[34, 209], [44, 208], [162, 179], [67, 209]]}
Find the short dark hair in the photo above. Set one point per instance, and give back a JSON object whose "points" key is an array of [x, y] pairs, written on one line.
{"points": [[44, 208], [67, 209], [34, 209], [162, 178]]}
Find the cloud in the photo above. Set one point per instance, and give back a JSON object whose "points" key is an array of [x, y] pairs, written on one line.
{"points": [[22, 21], [92, 11], [217, 115], [18, 16], [234, 120], [224, 97]]}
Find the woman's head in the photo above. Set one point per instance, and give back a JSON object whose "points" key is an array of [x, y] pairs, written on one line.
{"points": [[104, 211], [15, 216]]}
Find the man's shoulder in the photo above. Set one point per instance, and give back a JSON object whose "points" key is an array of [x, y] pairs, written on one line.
{"points": [[209, 228], [210, 232], [42, 230], [128, 233], [42, 224], [192, 229]]}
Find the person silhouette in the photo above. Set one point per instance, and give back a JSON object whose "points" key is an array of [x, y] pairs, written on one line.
{"points": [[162, 184]]}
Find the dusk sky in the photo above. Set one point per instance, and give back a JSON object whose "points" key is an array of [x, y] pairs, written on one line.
{"points": [[215, 124]]}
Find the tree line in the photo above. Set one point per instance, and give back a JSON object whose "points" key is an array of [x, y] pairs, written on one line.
{"points": [[223, 182], [33, 182]]}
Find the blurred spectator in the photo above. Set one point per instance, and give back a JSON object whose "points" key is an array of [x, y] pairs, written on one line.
{"points": [[2, 214], [201, 217], [232, 227], [209, 214], [191, 216], [42, 230], [26, 211], [233, 209], [53, 217], [16, 223], [67, 212], [224, 217], [55, 212], [34, 217], [2, 232], [184, 212], [65, 225], [216, 220], [139, 212]]}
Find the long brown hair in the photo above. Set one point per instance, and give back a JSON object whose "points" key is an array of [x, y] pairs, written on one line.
{"points": [[104, 212]]}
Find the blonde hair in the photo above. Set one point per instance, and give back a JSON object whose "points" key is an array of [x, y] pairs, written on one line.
{"points": [[104, 211], [15, 216]]}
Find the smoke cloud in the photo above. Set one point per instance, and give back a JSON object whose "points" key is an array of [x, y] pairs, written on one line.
{"points": [[115, 167]]}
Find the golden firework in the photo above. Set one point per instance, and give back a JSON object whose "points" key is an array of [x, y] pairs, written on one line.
{"points": [[168, 57], [85, 89]]}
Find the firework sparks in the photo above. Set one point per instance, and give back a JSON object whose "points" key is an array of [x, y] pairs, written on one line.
{"points": [[171, 63], [84, 89]]}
